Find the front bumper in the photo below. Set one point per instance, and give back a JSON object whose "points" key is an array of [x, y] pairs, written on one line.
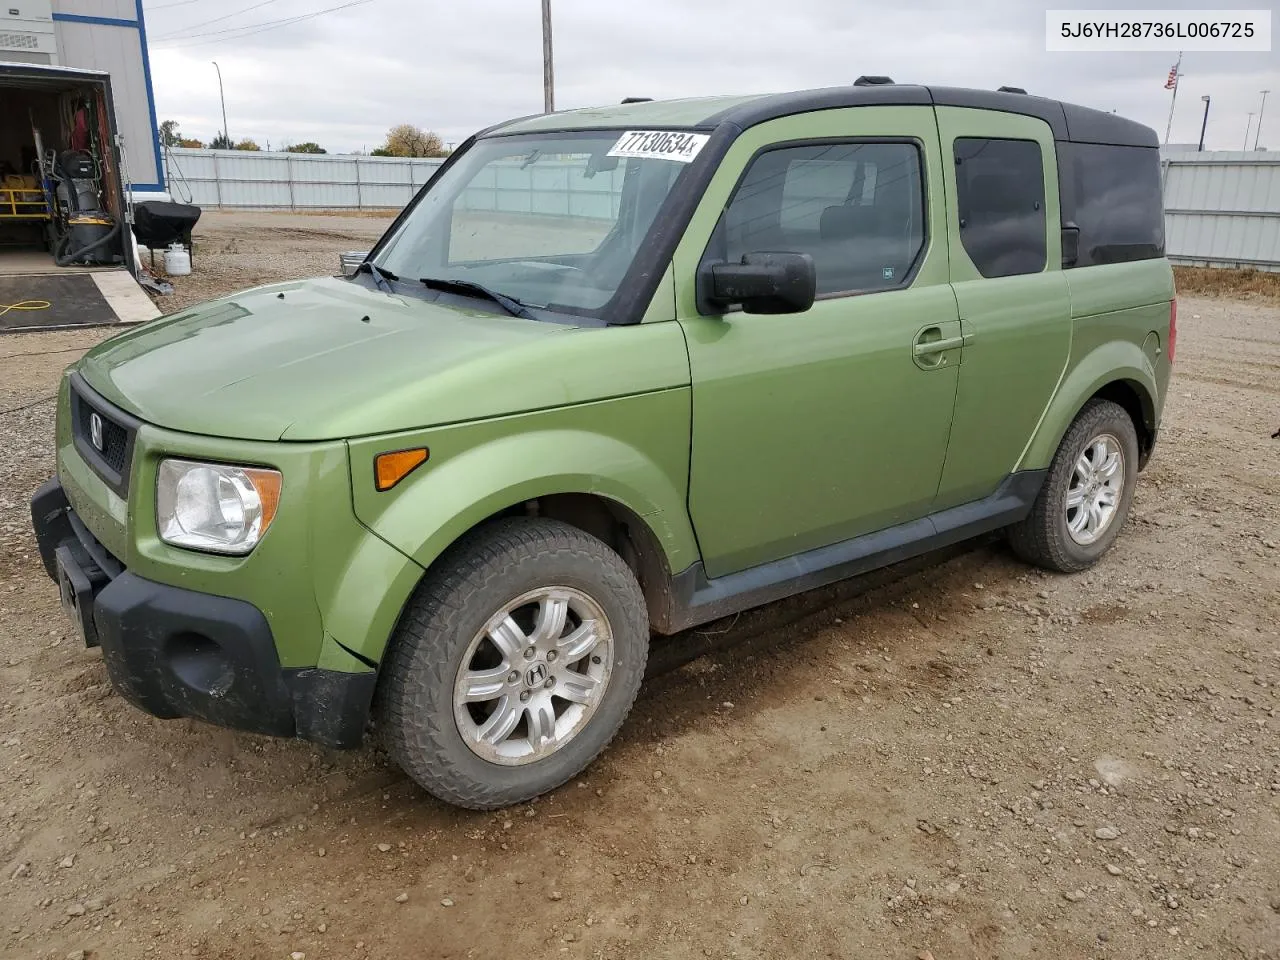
{"points": [[181, 653]]}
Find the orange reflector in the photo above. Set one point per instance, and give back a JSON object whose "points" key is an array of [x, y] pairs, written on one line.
{"points": [[267, 483], [390, 468]]}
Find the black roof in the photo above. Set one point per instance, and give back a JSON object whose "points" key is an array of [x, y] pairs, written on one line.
{"points": [[1068, 121]]}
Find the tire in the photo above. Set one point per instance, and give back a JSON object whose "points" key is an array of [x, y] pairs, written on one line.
{"points": [[1046, 538], [455, 619]]}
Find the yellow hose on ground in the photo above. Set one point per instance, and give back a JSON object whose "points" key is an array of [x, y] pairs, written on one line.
{"points": [[25, 305]]}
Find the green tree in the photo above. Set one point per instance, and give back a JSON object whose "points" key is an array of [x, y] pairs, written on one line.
{"points": [[221, 142], [310, 146], [170, 135], [406, 140]]}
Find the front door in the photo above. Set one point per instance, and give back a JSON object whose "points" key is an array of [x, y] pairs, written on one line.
{"points": [[813, 428]]}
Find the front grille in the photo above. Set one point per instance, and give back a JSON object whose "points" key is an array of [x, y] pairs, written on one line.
{"points": [[115, 438], [109, 451]]}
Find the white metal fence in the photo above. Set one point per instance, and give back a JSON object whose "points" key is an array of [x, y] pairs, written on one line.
{"points": [[1222, 209], [294, 181]]}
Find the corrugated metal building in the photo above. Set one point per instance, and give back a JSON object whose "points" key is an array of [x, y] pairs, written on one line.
{"points": [[107, 35], [1222, 208]]}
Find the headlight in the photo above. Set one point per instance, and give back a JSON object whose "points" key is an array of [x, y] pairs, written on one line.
{"points": [[213, 507]]}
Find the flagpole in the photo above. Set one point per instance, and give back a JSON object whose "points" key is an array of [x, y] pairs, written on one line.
{"points": [[1177, 76]]}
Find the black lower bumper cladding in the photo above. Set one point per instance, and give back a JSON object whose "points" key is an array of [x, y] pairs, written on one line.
{"points": [[180, 653]]}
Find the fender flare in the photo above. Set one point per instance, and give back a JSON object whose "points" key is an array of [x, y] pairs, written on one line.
{"points": [[1118, 361], [445, 499]]}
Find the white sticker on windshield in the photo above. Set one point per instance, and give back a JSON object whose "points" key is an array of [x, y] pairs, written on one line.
{"points": [[659, 145]]}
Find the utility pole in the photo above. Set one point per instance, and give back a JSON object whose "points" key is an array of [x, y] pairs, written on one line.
{"points": [[1247, 127], [548, 69], [1260, 109], [223, 98], [1205, 122]]}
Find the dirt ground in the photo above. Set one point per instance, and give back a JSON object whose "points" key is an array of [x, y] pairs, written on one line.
{"points": [[972, 758]]}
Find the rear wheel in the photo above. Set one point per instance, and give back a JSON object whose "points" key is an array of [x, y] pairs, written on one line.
{"points": [[1086, 496], [515, 664]]}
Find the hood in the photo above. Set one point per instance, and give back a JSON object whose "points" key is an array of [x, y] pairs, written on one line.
{"points": [[324, 359]]}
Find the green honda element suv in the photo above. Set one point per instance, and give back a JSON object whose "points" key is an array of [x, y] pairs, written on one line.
{"points": [[615, 372]]}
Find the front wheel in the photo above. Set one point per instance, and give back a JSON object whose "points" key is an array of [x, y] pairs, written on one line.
{"points": [[515, 663], [1086, 496]]}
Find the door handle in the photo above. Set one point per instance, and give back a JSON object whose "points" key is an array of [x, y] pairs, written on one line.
{"points": [[925, 348]]}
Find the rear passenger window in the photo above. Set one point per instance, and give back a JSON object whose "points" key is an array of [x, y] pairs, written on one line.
{"points": [[1000, 193], [1118, 204], [856, 208]]}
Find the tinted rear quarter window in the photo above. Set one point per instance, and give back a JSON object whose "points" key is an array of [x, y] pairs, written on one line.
{"points": [[1000, 194], [1118, 204]]}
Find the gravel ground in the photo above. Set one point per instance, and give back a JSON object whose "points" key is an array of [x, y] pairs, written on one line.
{"points": [[971, 759]]}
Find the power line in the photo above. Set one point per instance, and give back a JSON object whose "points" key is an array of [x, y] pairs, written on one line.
{"points": [[251, 29], [205, 23]]}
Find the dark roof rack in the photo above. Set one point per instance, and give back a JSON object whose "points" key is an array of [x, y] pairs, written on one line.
{"points": [[866, 81], [1011, 90], [637, 99]]}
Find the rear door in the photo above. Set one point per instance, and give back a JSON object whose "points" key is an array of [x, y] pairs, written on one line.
{"points": [[1004, 225], [815, 427]]}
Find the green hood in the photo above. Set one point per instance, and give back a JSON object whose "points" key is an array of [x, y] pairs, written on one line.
{"points": [[325, 359]]}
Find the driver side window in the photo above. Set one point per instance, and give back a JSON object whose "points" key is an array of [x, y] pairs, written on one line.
{"points": [[856, 208]]}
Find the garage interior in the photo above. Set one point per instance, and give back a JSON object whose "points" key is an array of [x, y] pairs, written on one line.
{"points": [[60, 197]]}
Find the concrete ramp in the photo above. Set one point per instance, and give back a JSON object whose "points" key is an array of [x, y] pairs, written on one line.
{"points": [[62, 301]]}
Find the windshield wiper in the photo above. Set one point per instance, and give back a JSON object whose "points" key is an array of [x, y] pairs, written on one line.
{"points": [[380, 276], [510, 304]]}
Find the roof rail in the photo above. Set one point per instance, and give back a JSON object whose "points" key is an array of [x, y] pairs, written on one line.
{"points": [[1011, 90], [870, 81], [637, 99]]}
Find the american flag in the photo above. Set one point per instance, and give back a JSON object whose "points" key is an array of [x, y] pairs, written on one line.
{"points": [[1172, 82]]}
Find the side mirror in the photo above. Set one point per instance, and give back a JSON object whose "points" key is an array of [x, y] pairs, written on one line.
{"points": [[763, 283]]}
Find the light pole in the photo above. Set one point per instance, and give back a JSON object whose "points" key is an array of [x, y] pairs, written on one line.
{"points": [[226, 136], [548, 70], [1260, 109], [1247, 127], [1205, 122]]}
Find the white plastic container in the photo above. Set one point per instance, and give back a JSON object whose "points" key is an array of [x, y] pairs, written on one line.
{"points": [[177, 262]]}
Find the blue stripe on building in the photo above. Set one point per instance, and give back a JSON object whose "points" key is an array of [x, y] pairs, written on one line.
{"points": [[140, 25]]}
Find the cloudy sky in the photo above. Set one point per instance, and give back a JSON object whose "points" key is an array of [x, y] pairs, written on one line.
{"points": [[343, 78]]}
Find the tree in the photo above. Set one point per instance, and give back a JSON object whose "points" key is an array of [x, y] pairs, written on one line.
{"points": [[170, 136], [247, 144], [309, 146], [406, 140], [221, 142], [184, 142], [381, 152]]}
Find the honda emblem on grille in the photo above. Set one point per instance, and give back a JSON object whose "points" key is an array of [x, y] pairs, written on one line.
{"points": [[95, 431]]}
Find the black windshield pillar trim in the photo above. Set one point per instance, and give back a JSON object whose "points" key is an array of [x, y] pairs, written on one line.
{"points": [[634, 294]]}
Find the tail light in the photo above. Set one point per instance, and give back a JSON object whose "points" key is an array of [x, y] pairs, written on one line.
{"points": [[1173, 328]]}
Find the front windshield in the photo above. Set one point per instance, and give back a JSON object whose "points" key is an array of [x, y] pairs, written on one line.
{"points": [[548, 221]]}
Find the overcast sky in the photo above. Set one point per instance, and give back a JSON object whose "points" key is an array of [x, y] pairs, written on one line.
{"points": [[454, 67]]}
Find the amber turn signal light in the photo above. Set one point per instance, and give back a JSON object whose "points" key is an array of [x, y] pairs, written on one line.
{"points": [[267, 483], [390, 468]]}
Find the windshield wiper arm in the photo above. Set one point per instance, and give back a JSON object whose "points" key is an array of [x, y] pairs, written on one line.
{"points": [[380, 276], [510, 304]]}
